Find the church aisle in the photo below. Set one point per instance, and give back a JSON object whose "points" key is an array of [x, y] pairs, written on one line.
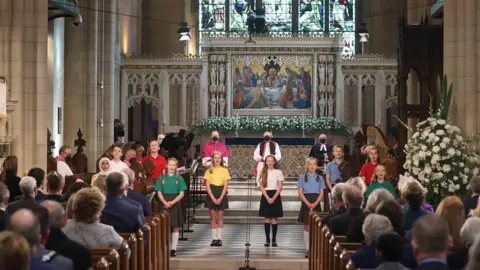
{"points": [[289, 239]]}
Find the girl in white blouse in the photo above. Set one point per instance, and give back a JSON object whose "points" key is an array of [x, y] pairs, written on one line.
{"points": [[270, 181]]}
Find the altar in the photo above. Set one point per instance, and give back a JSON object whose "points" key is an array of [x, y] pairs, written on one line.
{"points": [[294, 151]]}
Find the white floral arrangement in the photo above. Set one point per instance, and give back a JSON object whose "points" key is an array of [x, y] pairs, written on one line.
{"points": [[439, 155], [271, 123]]}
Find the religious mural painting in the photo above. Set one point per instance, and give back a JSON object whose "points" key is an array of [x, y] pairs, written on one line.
{"points": [[311, 15], [212, 15], [272, 82]]}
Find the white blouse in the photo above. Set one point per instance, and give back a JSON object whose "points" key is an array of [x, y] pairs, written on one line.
{"points": [[118, 166], [273, 177]]}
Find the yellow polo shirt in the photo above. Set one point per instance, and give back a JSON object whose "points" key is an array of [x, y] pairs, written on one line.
{"points": [[219, 177]]}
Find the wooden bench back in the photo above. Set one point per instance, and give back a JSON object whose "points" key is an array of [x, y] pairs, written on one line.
{"points": [[111, 256]]}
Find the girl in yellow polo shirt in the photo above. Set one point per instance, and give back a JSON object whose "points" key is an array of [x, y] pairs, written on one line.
{"points": [[217, 184]]}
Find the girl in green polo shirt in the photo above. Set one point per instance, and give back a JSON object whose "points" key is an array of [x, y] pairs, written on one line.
{"points": [[379, 181], [170, 188]]}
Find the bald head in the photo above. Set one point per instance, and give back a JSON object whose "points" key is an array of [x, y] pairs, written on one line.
{"points": [[56, 214], [322, 136], [26, 223]]}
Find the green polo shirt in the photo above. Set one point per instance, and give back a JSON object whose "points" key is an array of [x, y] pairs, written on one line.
{"points": [[170, 185], [376, 185]]}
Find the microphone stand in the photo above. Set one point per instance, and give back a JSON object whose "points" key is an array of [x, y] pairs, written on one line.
{"points": [[248, 233]]}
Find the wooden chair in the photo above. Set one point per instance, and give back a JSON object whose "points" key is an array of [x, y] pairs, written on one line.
{"points": [[131, 240], [110, 255]]}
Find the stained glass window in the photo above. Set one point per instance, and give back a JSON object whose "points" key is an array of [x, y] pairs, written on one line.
{"points": [[278, 15], [239, 10], [212, 15], [349, 43], [311, 15], [342, 15]]}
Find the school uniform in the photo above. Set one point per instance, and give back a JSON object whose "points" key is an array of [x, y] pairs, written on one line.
{"points": [[274, 210], [170, 186], [377, 185], [367, 171], [216, 178], [311, 190]]}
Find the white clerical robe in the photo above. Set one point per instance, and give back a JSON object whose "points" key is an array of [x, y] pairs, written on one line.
{"points": [[259, 158]]}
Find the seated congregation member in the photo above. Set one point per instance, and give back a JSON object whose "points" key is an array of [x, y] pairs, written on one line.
{"points": [[373, 227], [55, 185], [116, 164], [264, 149], [34, 227], [393, 211], [64, 154], [212, 146], [170, 189], [270, 181], [472, 202], [28, 186], [101, 183], [124, 216], [452, 210], [74, 188], [15, 253], [338, 205], [4, 197], [105, 169], [10, 178], [85, 227], [158, 160], [355, 232], [310, 190], [60, 243], [390, 251], [403, 184], [379, 181], [353, 200], [39, 175], [130, 200], [337, 170], [473, 255], [459, 257], [414, 197], [358, 183], [430, 241], [368, 169], [139, 198], [217, 177]]}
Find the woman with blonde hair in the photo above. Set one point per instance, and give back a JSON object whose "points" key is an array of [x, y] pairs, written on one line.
{"points": [[403, 184], [217, 177], [452, 210], [358, 183], [15, 252], [270, 181]]}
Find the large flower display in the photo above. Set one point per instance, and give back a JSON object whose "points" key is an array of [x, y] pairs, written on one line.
{"points": [[439, 155]]}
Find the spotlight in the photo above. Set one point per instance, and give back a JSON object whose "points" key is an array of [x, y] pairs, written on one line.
{"points": [[184, 32]]}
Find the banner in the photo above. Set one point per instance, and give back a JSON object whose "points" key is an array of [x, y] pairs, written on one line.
{"points": [[3, 99]]}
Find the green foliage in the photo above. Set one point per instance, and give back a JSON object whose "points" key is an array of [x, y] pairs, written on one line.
{"points": [[444, 98]]}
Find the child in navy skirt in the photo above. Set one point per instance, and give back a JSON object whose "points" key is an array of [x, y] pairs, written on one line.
{"points": [[270, 181], [310, 189]]}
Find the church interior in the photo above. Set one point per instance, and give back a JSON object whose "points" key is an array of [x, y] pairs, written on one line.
{"points": [[93, 75]]}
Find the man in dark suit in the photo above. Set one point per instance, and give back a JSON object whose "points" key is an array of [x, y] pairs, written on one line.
{"points": [[471, 203], [59, 242], [353, 199], [430, 241], [28, 187], [338, 205], [118, 212], [39, 175], [4, 197], [321, 151], [135, 196]]}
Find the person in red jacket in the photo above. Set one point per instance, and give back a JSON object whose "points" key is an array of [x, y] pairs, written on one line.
{"points": [[158, 160]]}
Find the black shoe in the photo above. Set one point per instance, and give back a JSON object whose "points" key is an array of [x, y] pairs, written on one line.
{"points": [[267, 244], [214, 243], [173, 253], [306, 254], [219, 243], [274, 243]]}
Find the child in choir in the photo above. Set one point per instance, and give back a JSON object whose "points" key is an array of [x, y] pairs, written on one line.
{"points": [[368, 168], [105, 169], [116, 164], [270, 181], [310, 189], [379, 181], [170, 189], [336, 170], [217, 177]]}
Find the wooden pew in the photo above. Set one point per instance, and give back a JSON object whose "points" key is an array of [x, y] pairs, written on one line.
{"points": [[102, 264], [147, 234], [155, 252], [110, 255], [131, 239], [165, 228], [140, 250]]}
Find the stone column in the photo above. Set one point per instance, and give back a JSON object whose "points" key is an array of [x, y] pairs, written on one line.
{"points": [[359, 102], [166, 98], [470, 54], [23, 61], [123, 104], [204, 88], [380, 94], [183, 101], [340, 90]]}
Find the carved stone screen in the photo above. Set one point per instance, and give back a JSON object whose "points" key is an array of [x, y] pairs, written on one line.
{"points": [[276, 84]]}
